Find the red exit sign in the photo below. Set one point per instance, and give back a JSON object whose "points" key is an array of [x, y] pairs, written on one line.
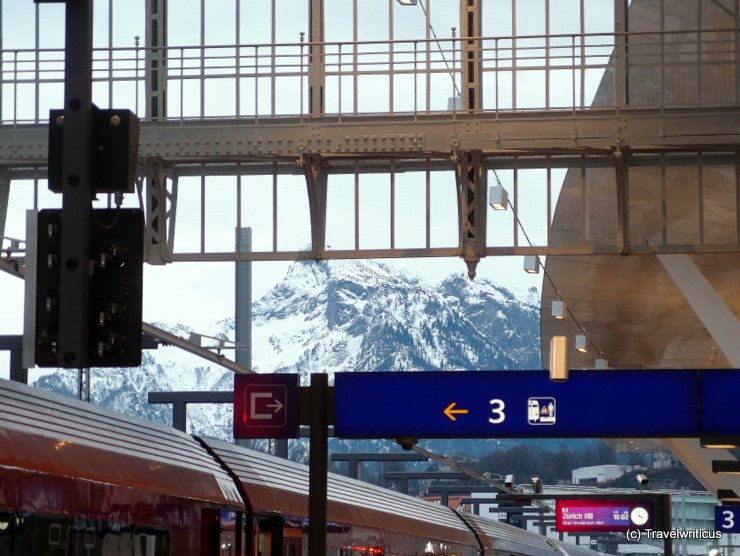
{"points": [[266, 406]]}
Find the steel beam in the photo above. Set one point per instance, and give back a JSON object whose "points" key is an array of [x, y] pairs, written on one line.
{"points": [[372, 137]]}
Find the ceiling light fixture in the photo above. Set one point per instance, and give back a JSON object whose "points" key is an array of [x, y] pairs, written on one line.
{"points": [[581, 343], [559, 309], [498, 198], [531, 264]]}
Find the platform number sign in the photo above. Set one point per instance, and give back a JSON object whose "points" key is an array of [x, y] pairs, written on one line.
{"points": [[727, 519]]}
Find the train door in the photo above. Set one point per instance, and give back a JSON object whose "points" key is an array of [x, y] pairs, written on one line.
{"points": [[269, 536], [292, 539], [221, 534]]}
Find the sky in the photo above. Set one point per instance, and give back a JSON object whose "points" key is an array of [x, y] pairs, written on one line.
{"points": [[200, 294]]}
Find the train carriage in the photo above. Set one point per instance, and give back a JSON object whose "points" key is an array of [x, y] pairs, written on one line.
{"points": [[362, 518], [76, 479]]}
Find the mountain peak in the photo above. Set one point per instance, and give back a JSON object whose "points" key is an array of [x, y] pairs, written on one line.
{"points": [[331, 316]]}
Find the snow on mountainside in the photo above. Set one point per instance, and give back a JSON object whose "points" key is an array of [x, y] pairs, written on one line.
{"points": [[365, 316], [337, 316]]}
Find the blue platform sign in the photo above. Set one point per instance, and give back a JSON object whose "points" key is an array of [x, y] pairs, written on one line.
{"points": [[727, 519], [517, 404], [719, 410]]}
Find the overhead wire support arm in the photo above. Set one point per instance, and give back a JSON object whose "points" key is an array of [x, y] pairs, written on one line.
{"points": [[170, 339]]}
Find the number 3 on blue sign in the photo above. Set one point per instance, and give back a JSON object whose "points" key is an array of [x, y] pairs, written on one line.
{"points": [[497, 409], [726, 519]]}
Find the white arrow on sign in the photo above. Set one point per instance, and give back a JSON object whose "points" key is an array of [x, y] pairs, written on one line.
{"points": [[277, 405], [254, 414]]}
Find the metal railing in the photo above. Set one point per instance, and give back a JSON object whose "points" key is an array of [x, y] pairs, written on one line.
{"points": [[552, 73]]}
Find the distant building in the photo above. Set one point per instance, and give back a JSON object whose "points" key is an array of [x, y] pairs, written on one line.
{"points": [[598, 474]]}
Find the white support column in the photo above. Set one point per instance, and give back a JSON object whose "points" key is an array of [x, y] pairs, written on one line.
{"points": [[722, 325], [716, 317]]}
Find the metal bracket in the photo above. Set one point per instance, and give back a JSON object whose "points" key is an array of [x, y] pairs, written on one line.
{"points": [[157, 235], [316, 182], [621, 169], [471, 177]]}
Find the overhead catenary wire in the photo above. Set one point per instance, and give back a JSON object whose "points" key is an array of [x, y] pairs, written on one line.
{"points": [[441, 50]]}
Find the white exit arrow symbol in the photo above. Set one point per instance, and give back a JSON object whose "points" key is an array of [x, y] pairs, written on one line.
{"points": [[254, 414], [277, 405]]}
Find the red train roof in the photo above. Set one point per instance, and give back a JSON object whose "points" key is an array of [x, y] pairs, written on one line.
{"points": [[58, 435]]}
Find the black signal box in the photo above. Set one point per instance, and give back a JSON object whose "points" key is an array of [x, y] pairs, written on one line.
{"points": [[115, 146], [115, 288]]}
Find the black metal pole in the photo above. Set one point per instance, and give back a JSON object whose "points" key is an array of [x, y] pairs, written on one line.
{"points": [[14, 344], [318, 466], [77, 186], [17, 372]]}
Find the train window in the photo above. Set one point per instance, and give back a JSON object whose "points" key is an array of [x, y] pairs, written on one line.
{"points": [[47, 535], [152, 543], [80, 540], [55, 534], [227, 537], [89, 537], [117, 544]]}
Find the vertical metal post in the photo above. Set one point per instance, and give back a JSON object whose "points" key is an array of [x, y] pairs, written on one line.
{"points": [[621, 169], [179, 416], [14, 344], [621, 82], [471, 54], [243, 305], [83, 384], [243, 313], [17, 372], [318, 466], [77, 187], [316, 68], [4, 198], [155, 56]]}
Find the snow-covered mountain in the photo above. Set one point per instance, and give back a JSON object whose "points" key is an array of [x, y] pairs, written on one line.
{"points": [[366, 316], [337, 316]]}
